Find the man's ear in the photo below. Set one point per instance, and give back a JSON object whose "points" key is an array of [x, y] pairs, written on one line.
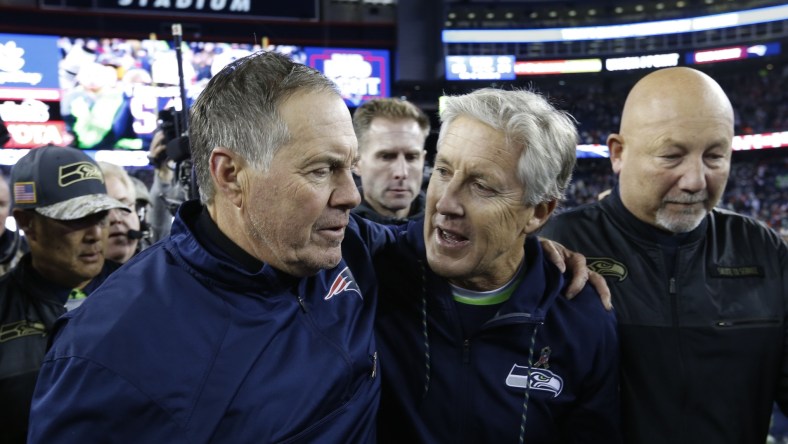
{"points": [[24, 221], [615, 148], [226, 167], [542, 212]]}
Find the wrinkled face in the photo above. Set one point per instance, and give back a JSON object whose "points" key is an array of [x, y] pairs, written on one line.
{"points": [[476, 221], [391, 165], [5, 204], [672, 172], [69, 253], [119, 247], [299, 209]]}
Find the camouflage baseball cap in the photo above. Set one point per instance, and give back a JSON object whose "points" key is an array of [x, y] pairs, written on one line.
{"points": [[60, 183]]}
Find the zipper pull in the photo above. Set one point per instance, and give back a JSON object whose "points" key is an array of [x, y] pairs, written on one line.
{"points": [[466, 351], [672, 286], [374, 358], [302, 303]]}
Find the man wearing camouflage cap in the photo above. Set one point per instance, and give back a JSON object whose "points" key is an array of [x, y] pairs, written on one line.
{"points": [[60, 201]]}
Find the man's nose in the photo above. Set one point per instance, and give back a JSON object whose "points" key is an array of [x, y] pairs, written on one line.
{"points": [[400, 168], [693, 177]]}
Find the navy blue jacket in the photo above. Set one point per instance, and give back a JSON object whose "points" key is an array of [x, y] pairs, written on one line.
{"points": [[442, 386], [182, 346]]}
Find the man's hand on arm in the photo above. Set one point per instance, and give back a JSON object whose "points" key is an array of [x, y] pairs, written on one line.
{"points": [[575, 262]]}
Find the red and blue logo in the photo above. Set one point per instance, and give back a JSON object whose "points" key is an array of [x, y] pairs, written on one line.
{"points": [[342, 283]]}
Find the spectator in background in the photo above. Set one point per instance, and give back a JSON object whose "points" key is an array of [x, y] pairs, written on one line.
{"points": [[12, 244], [701, 293], [165, 192], [391, 135], [142, 207], [61, 203], [124, 226]]}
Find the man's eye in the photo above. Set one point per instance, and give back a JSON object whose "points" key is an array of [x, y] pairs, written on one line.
{"points": [[412, 157], [388, 156], [321, 172], [482, 188]]}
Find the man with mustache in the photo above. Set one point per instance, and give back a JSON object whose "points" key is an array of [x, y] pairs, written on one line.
{"points": [[60, 201], [700, 293]]}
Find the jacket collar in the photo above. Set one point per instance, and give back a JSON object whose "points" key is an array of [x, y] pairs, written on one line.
{"points": [[367, 212], [213, 262], [530, 301]]}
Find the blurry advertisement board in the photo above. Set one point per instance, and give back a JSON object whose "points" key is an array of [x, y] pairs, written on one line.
{"points": [[486, 67], [360, 74]]}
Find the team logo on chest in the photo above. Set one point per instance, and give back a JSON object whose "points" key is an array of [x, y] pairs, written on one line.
{"points": [[537, 377], [344, 282], [608, 267]]}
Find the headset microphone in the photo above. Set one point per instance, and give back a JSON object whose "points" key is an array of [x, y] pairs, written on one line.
{"points": [[135, 234]]}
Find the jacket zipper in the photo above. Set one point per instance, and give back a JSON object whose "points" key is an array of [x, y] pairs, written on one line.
{"points": [[674, 303], [743, 322]]}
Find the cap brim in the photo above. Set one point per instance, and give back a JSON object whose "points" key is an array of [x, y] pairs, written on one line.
{"points": [[81, 206]]}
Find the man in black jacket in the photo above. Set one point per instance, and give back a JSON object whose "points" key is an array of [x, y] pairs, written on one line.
{"points": [[391, 135], [61, 203], [700, 293]]}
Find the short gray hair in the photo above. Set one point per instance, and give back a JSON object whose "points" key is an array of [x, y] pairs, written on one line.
{"points": [[238, 110], [548, 136]]}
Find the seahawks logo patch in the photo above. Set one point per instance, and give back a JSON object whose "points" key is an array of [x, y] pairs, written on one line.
{"points": [[607, 267]]}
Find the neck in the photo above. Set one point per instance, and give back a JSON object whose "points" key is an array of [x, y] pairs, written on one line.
{"points": [[398, 214]]}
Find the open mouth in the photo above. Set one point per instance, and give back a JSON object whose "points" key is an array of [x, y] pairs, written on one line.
{"points": [[451, 238]]}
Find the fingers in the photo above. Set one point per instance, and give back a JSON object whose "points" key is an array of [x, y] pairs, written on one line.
{"points": [[554, 253], [579, 272], [599, 283]]}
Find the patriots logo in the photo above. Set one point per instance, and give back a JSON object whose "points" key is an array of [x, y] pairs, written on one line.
{"points": [[540, 379], [342, 283]]}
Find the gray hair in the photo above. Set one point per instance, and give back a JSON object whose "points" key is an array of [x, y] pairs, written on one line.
{"points": [[547, 136], [116, 171], [238, 110]]}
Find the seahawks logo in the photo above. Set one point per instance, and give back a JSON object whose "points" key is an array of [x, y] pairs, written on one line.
{"points": [[77, 172], [607, 267], [521, 376], [21, 329]]}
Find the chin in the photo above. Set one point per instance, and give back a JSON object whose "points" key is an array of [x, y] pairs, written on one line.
{"points": [[683, 223], [116, 256]]}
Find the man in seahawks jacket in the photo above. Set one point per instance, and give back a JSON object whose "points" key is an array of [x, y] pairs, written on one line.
{"points": [[700, 293], [60, 201], [476, 344]]}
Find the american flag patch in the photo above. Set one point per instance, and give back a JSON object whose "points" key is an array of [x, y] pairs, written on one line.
{"points": [[25, 192]]}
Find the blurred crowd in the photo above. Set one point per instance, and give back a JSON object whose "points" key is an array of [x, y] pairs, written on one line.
{"points": [[759, 100]]}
